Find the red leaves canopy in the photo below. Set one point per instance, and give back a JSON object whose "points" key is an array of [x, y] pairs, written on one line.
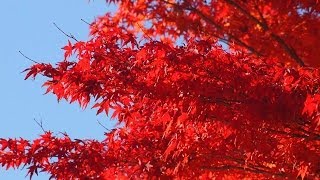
{"points": [[192, 111]]}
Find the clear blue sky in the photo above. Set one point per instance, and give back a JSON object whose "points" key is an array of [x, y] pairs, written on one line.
{"points": [[27, 26]]}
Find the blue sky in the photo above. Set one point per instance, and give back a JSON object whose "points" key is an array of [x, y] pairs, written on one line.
{"points": [[28, 26]]}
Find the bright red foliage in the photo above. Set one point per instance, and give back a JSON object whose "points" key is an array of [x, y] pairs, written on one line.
{"points": [[191, 111]]}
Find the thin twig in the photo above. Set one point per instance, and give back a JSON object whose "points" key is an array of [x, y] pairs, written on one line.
{"points": [[68, 35], [264, 21], [85, 22], [28, 57], [40, 124], [150, 39], [103, 125], [79, 140]]}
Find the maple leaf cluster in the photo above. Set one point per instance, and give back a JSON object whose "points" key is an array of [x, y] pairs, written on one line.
{"points": [[189, 111]]}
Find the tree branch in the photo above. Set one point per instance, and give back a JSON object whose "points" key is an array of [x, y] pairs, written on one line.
{"points": [[248, 169], [287, 48], [294, 135], [211, 22], [240, 164]]}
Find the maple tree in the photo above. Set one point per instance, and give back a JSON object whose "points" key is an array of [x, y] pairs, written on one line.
{"points": [[192, 110]]}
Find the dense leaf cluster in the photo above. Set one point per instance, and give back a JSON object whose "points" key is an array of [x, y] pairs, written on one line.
{"points": [[190, 111]]}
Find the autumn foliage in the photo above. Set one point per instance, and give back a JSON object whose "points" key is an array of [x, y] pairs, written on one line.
{"points": [[187, 107]]}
